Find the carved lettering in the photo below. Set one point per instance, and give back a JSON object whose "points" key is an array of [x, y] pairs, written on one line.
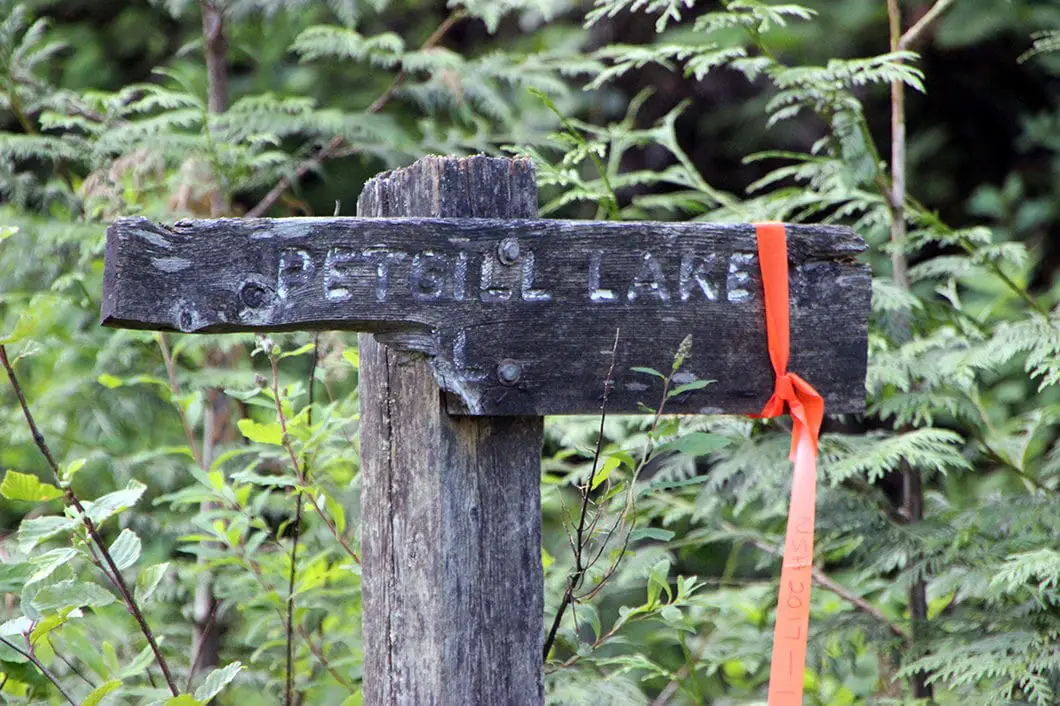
{"points": [[529, 293], [336, 274], [489, 292], [649, 280], [460, 276], [693, 273], [383, 257], [597, 294], [427, 278], [296, 266], [739, 280]]}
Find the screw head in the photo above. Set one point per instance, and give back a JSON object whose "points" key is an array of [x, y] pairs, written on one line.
{"points": [[508, 372], [508, 251]]}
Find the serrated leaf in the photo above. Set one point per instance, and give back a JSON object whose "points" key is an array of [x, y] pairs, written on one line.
{"points": [[138, 664], [72, 594], [33, 532], [261, 433], [27, 487], [126, 549], [101, 509], [16, 626], [148, 581], [100, 692], [45, 564], [217, 680]]}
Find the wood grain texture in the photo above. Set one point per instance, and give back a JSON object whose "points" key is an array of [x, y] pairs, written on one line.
{"points": [[446, 288], [451, 514]]}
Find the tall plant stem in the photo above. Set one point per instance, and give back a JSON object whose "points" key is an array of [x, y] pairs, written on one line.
{"points": [[912, 479], [90, 526]]}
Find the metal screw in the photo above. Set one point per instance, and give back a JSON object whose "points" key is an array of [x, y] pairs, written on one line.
{"points": [[508, 372], [508, 251]]}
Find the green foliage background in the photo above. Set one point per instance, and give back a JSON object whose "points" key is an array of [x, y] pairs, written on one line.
{"points": [[737, 110]]}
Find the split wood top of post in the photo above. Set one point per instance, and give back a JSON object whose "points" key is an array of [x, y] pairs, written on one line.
{"points": [[518, 317]]}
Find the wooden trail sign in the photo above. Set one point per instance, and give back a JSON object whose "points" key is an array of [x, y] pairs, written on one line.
{"points": [[511, 318]]}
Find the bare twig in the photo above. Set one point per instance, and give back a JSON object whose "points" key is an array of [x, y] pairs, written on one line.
{"points": [[575, 577], [289, 691], [334, 146], [912, 34], [912, 481], [90, 526], [825, 581], [29, 654]]}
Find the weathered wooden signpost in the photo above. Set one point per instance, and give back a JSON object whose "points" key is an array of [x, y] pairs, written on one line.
{"points": [[478, 320]]}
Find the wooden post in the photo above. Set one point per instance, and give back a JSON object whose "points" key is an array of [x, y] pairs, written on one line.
{"points": [[451, 506]]}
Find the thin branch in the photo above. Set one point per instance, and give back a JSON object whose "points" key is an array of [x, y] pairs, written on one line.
{"points": [[574, 579], [912, 34], [90, 526], [289, 692], [912, 480], [28, 654], [825, 581], [334, 146]]}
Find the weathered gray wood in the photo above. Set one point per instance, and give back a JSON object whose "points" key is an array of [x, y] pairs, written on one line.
{"points": [[542, 297], [451, 514]]}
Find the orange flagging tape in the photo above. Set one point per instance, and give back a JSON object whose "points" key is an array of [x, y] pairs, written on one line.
{"points": [[807, 413]]}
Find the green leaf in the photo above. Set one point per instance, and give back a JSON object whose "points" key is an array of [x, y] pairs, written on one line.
{"points": [[649, 371], [101, 509], [109, 381], [33, 532], [100, 692], [148, 581], [184, 700], [335, 512], [45, 564], [72, 594], [51, 622], [301, 350], [604, 472], [352, 356], [688, 387], [126, 549], [67, 472], [261, 433], [697, 443], [7, 231], [651, 533], [138, 664], [27, 487], [354, 699], [216, 681], [24, 327]]}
